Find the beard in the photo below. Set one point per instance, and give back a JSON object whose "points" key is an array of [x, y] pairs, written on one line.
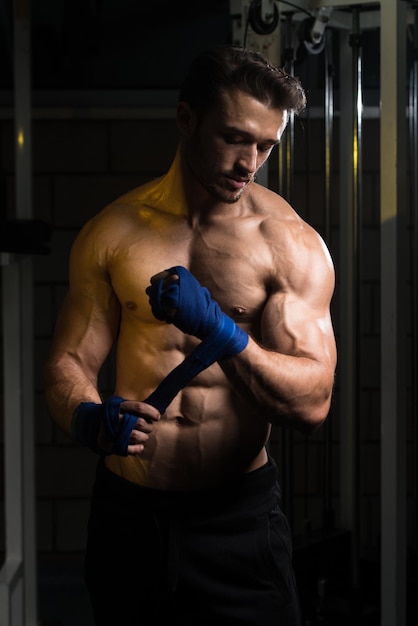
{"points": [[215, 182], [223, 195]]}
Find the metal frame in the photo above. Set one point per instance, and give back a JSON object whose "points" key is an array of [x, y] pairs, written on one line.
{"points": [[393, 306], [18, 575], [393, 19]]}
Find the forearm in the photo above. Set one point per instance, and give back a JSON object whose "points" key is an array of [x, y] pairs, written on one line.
{"points": [[66, 385], [292, 387], [288, 390]]}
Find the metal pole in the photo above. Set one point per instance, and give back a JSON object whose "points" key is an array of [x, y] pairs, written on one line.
{"points": [[288, 149], [23, 161], [413, 145], [346, 370], [356, 44], [18, 588], [329, 120], [393, 308], [290, 130]]}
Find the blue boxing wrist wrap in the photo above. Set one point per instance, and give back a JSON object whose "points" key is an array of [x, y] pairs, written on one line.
{"points": [[207, 352], [89, 416], [195, 312]]}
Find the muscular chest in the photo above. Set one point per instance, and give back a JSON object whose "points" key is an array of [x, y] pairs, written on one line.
{"points": [[231, 261]]}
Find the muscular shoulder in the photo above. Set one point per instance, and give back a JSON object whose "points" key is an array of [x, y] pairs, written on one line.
{"points": [[299, 256], [124, 221]]}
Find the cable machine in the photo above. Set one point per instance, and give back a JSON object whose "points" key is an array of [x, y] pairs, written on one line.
{"points": [[391, 18]]}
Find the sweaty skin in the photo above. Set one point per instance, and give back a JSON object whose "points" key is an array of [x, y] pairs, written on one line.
{"points": [[265, 266]]}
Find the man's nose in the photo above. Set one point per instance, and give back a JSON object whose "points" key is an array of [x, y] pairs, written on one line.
{"points": [[248, 158]]}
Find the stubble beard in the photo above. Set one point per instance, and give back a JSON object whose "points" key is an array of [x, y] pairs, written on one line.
{"points": [[218, 194], [224, 195], [216, 191]]}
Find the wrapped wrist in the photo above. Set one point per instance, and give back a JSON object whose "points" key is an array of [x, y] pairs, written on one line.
{"points": [[89, 418]]}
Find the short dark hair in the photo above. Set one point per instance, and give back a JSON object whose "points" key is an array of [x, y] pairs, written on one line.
{"points": [[227, 67]]}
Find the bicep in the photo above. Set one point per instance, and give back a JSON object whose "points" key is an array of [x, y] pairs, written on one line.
{"points": [[297, 320], [88, 322], [83, 335]]}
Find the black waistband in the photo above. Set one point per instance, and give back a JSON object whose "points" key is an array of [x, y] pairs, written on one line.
{"points": [[255, 489]]}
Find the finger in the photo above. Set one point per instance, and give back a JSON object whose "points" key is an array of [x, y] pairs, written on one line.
{"points": [[143, 426], [142, 409], [170, 311], [135, 449], [138, 437], [137, 442], [160, 276], [171, 278]]}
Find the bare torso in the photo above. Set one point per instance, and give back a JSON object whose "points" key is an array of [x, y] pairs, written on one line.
{"points": [[207, 432], [267, 269]]}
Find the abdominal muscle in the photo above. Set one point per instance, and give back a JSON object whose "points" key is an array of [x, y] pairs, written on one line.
{"points": [[206, 436]]}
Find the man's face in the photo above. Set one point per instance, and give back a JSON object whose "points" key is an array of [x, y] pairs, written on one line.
{"points": [[231, 142]]}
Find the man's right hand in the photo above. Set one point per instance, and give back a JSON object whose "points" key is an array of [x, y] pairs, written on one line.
{"points": [[117, 426]]}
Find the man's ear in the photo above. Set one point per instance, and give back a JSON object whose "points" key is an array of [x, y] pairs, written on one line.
{"points": [[186, 119]]}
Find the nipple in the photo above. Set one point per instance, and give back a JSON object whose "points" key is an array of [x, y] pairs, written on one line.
{"points": [[239, 310]]}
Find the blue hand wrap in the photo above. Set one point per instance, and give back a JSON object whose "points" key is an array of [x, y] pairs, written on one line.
{"points": [[196, 313], [89, 416], [206, 353]]}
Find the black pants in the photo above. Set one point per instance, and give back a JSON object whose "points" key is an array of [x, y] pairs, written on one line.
{"points": [[218, 557]]}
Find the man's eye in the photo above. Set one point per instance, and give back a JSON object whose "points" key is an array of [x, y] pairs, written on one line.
{"points": [[233, 139], [264, 147]]}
